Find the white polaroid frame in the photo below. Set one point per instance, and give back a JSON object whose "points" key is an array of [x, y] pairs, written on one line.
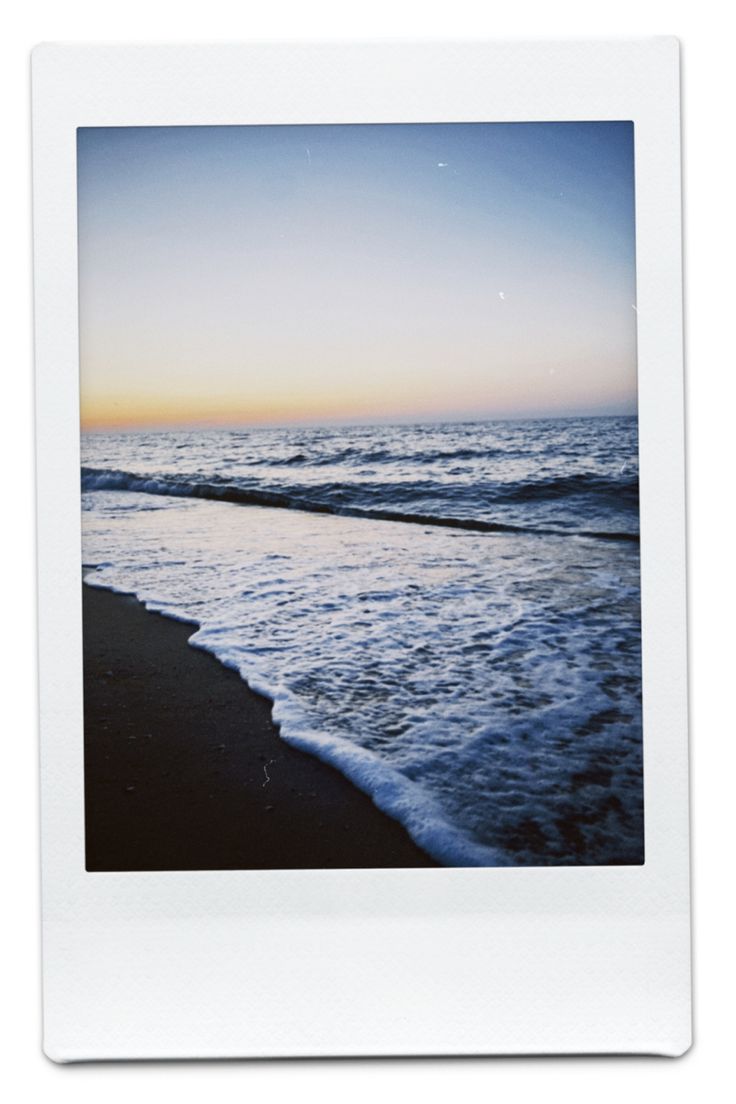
{"points": [[364, 962]]}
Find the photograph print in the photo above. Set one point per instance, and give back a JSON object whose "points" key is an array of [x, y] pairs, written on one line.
{"points": [[360, 498]]}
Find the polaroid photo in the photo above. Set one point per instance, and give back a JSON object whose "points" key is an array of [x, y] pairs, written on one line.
{"points": [[361, 550]]}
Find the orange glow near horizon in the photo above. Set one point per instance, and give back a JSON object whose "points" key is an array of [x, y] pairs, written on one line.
{"points": [[557, 392]]}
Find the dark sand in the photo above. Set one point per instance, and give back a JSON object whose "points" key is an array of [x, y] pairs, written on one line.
{"points": [[184, 768]]}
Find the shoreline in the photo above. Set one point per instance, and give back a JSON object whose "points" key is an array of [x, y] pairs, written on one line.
{"points": [[185, 768]]}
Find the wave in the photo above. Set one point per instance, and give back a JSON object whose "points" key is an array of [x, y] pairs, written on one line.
{"points": [[624, 491], [354, 454], [394, 793], [218, 490]]}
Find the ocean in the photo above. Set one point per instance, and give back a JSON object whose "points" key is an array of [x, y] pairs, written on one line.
{"points": [[449, 614]]}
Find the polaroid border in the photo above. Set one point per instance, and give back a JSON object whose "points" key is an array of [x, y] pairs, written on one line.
{"points": [[379, 962]]}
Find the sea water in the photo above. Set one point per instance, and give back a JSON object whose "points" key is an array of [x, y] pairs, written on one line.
{"points": [[449, 614]]}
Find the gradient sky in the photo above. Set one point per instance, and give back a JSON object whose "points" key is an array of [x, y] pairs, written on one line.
{"points": [[237, 275]]}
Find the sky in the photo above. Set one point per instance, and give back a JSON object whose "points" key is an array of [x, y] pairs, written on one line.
{"points": [[307, 274]]}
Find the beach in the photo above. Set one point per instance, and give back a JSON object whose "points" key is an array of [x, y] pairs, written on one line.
{"points": [[185, 769], [405, 511], [481, 686]]}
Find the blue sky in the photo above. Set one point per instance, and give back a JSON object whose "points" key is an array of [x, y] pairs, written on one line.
{"points": [[307, 273]]}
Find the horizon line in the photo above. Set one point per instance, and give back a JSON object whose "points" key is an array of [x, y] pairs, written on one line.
{"points": [[388, 423]]}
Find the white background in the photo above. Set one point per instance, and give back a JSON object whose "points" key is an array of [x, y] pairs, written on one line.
{"points": [[708, 65]]}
